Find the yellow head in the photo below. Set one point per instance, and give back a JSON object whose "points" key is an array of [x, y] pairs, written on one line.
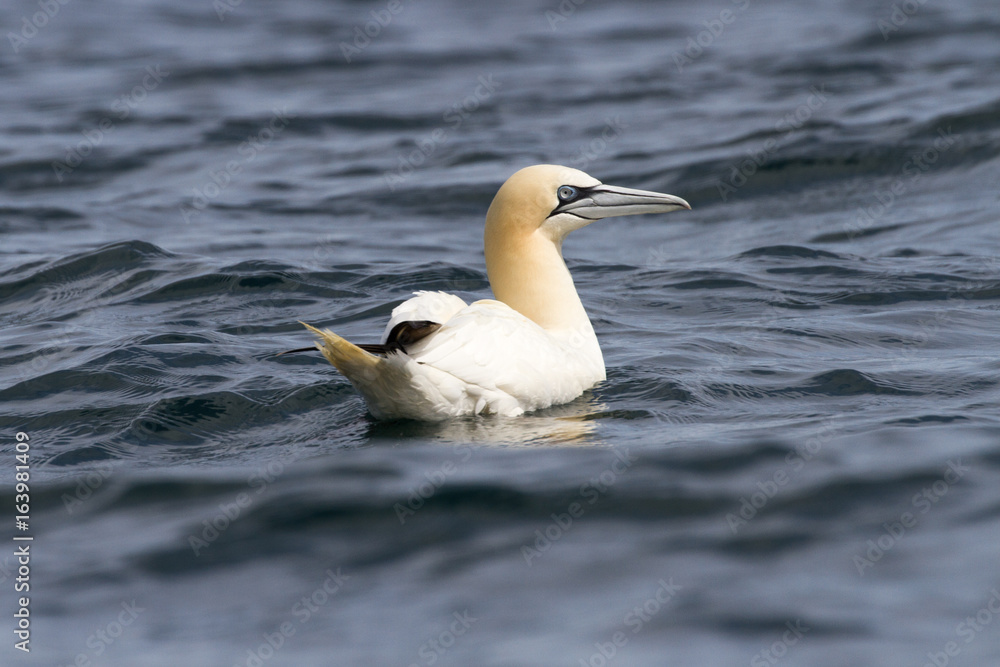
{"points": [[526, 224]]}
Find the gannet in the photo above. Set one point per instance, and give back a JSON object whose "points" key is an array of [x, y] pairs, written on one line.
{"points": [[531, 347]]}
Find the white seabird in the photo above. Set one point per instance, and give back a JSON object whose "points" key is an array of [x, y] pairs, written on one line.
{"points": [[531, 347]]}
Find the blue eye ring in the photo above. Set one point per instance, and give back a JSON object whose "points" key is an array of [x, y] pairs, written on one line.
{"points": [[566, 193]]}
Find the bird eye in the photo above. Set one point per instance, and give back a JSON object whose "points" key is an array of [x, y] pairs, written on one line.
{"points": [[566, 192]]}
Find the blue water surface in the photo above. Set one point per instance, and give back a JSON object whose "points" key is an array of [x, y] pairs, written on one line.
{"points": [[794, 460]]}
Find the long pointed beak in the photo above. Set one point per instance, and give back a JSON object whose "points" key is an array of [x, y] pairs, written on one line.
{"points": [[606, 201]]}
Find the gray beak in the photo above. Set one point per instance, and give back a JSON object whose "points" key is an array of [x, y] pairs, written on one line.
{"points": [[606, 201]]}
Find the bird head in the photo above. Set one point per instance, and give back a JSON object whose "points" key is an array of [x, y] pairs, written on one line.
{"points": [[529, 218], [554, 200]]}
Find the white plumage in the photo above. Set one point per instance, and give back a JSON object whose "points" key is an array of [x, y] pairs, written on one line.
{"points": [[532, 347]]}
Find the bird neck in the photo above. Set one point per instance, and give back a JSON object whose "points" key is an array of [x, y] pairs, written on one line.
{"points": [[529, 275]]}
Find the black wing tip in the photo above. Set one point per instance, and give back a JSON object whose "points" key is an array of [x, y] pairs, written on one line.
{"points": [[403, 334], [296, 350], [407, 333]]}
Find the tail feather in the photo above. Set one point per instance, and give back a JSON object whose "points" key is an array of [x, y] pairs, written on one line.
{"points": [[389, 385], [348, 358]]}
